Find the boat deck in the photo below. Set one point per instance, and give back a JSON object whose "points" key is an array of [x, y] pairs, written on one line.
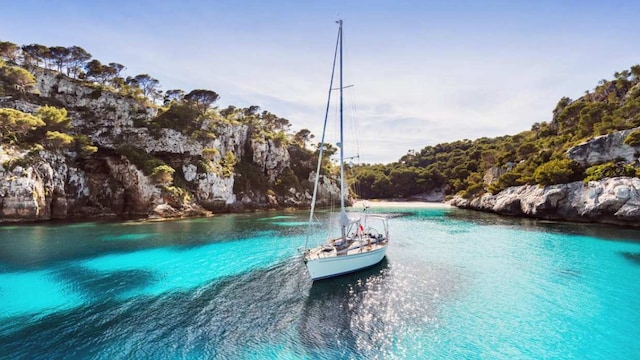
{"points": [[354, 247]]}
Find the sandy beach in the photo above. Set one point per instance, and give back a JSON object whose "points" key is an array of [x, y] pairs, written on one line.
{"points": [[403, 204]]}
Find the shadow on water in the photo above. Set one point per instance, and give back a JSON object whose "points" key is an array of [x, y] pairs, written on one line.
{"points": [[36, 247], [634, 257], [96, 285], [223, 318], [234, 317]]}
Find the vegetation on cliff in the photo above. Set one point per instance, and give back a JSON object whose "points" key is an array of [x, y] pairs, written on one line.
{"points": [[536, 156], [46, 123]]}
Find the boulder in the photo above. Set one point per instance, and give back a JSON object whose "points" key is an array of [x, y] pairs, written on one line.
{"points": [[605, 148]]}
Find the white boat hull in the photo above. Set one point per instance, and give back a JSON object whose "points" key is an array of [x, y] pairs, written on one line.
{"points": [[325, 267]]}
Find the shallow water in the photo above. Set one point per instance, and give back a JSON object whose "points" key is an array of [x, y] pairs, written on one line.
{"points": [[454, 284]]}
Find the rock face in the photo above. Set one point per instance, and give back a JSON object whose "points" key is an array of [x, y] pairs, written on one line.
{"points": [[605, 148], [270, 157], [43, 184], [50, 188], [495, 172], [611, 201]]}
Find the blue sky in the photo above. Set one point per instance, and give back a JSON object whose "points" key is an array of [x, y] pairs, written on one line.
{"points": [[424, 72]]}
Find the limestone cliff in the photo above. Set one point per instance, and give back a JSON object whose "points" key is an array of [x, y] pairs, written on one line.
{"points": [[612, 201], [42, 184]]}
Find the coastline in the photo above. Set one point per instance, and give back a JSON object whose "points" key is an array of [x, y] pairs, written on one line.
{"points": [[611, 201], [377, 203]]}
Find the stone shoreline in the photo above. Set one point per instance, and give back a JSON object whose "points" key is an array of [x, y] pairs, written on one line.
{"points": [[613, 201]]}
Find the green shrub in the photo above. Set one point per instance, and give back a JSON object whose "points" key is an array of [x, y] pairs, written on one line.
{"points": [[207, 166], [555, 172], [17, 78], [14, 124], [23, 162], [56, 119], [141, 159], [59, 140], [607, 170], [179, 116], [163, 174], [35, 149], [287, 180], [209, 153], [228, 164], [633, 139], [87, 150], [279, 138], [506, 180], [249, 177], [473, 190], [178, 194], [84, 145], [203, 135]]}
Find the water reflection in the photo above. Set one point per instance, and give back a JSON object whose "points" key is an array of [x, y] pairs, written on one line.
{"points": [[389, 311], [333, 305]]}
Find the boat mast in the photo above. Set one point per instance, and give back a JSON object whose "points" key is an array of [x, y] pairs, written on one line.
{"points": [[344, 220], [324, 130]]}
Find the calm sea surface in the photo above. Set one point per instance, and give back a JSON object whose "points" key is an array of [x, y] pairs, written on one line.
{"points": [[454, 285]]}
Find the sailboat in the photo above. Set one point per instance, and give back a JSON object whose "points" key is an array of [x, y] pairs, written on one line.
{"points": [[363, 236]]}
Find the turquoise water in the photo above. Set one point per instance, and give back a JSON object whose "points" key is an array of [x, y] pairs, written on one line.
{"points": [[454, 285]]}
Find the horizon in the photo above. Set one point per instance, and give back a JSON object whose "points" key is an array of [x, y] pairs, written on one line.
{"points": [[424, 73]]}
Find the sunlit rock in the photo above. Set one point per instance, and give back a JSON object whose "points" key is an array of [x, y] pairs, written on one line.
{"points": [[605, 148], [612, 200]]}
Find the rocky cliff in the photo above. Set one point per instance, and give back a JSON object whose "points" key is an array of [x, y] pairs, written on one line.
{"points": [[612, 201], [42, 184]]}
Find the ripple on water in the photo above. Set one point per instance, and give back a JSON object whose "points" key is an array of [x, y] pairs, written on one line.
{"points": [[230, 287]]}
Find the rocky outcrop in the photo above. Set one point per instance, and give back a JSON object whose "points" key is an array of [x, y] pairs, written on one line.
{"points": [[47, 187], [213, 191], [270, 157], [107, 110], [493, 173], [612, 201], [328, 191], [605, 148], [44, 184]]}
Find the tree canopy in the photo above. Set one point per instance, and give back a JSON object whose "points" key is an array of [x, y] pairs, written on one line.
{"points": [[202, 99]]}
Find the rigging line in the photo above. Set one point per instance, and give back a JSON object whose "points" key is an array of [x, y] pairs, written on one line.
{"points": [[351, 103], [324, 128], [355, 122]]}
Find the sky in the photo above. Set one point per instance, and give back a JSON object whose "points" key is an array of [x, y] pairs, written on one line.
{"points": [[423, 72]]}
